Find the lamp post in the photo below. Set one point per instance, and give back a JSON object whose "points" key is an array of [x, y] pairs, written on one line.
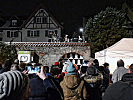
{"points": [[82, 31]]}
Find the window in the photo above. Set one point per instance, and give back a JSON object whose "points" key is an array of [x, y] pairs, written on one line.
{"points": [[41, 20], [8, 33], [44, 20], [14, 22], [12, 34], [16, 34], [33, 33], [41, 10], [38, 19]]}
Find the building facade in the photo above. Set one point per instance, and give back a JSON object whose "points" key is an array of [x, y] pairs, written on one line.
{"points": [[40, 26]]}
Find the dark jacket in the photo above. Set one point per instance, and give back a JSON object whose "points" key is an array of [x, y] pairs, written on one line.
{"points": [[38, 91], [6, 67], [93, 80], [43, 90]]}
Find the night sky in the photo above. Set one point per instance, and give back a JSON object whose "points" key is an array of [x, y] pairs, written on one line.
{"points": [[68, 12]]}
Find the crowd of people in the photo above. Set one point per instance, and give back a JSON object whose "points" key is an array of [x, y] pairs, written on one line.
{"points": [[66, 82]]}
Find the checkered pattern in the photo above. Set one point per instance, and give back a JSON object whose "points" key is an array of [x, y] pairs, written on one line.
{"points": [[75, 58]]}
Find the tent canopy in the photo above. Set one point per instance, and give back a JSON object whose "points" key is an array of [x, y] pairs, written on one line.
{"points": [[123, 49]]}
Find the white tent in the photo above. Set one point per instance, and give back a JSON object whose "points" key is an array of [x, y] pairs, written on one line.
{"points": [[120, 50]]}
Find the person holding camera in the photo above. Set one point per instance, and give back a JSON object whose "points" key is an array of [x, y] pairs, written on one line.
{"points": [[42, 88]]}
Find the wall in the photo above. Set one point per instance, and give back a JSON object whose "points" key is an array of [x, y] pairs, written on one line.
{"points": [[51, 52]]}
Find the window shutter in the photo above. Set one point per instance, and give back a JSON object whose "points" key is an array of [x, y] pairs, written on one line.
{"points": [[8, 33], [46, 33], [12, 34], [38, 33], [16, 34], [28, 33]]}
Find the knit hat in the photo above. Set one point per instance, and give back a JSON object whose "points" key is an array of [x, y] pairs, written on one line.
{"points": [[71, 70], [56, 63], [13, 85]]}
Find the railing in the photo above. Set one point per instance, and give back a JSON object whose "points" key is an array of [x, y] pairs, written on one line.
{"points": [[47, 44]]}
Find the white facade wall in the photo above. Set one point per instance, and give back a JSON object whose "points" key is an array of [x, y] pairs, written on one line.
{"points": [[50, 25], [8, 39]]}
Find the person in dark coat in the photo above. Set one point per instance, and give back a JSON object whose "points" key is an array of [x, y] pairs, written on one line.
{"points": [[38, 91], [1, 66], [42, 88], [6, 67], [106, 75], [121, 90], [93, 81]]}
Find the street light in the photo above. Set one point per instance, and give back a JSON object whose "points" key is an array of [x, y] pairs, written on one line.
{"points": [[82, 31]]}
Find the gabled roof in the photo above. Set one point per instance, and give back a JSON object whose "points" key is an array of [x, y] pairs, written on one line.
{"points": [[14, 17], [35, 11], [23, 20], [7, 24]]}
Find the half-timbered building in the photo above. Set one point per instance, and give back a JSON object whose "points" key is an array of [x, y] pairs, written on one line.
{"points": [[40, 26]]}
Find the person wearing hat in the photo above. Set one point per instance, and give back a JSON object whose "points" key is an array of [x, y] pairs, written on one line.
{"points": [[73, 87], [14, 85], [121, 90]]}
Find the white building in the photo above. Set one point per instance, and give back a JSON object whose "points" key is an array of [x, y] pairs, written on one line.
{"points": [[35, 28]]}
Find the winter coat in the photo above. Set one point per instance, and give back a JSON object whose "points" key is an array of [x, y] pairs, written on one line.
{"points": [[38, 91], [121, 90], [93, 83], [118, 73], [73, 88]]}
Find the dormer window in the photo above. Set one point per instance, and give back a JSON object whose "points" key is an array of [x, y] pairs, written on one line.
{"points": [[14, 22]]}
